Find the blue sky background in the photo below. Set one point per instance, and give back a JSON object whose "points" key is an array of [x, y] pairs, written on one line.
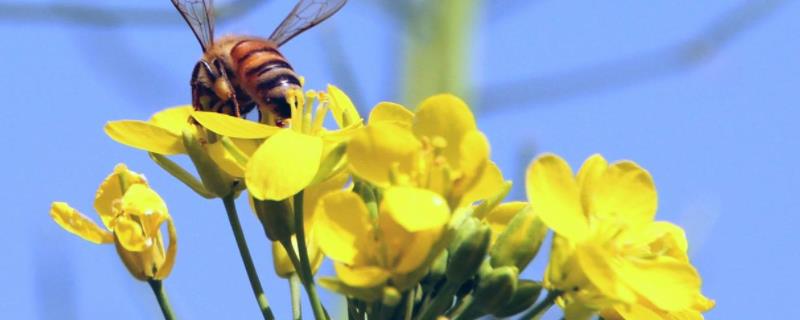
{"points": [[719, 136]]}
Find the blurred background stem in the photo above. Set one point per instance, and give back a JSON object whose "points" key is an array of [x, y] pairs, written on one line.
{"points": [[438, 49]]}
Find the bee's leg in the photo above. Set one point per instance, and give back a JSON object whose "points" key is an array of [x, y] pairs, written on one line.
{"points": [[230, 91]]}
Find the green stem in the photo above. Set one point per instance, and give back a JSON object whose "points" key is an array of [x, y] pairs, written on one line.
{"points": [[538, 310], [163, 302], [252, 275], [464, 309], [294, 287], [409, 310], [305, 266], [441, 302]]}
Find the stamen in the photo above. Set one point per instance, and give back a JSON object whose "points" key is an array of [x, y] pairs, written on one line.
{"points": [[307, 110], [319, 117]]}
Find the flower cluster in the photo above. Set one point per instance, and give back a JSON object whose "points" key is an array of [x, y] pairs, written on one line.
{"points": [[410, 208]]}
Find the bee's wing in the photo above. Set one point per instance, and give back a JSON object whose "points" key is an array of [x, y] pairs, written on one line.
{"points": [[306, 14], [199, 14]]}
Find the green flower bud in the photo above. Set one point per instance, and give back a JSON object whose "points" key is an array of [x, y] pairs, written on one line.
{"points": [[518, 244], [494, 291], [215, 180], [468, 250], [391, 297], [277, 218], [524, 297], [438, 268]]}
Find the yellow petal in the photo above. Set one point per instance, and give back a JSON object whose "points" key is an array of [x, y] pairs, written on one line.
{"points": [[625, 191], [233, 127], [473, 162], [448, 117], [636, 311], [284, 164], [361, 276], [343, 110], [147, 206], [703, 304], [140, 200], [173, 119], [247, 146], [662, 237], [501, 215], [602, 267], [592, 169], [393, 113], [343, 227], [145, 136], [312, 195], [417, 251], [489, 184], [668, 283], [375, 149], [130, 235], [111, 191], [554, 196], [475, 153], [414, 209], [225, 160], [169, 261], [78, 224]]}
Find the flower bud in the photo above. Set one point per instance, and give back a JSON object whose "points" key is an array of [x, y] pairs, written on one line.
{"points": [[391, 297], [215, 180], [438, 268], [518, 244], [277, 218], [468, 250], [496, 289], [524, 297]]}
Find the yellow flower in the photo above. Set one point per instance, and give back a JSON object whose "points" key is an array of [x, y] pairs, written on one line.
{"points": [[172, 131], [294, 158], [390, 246], [608, 252], [133, 215], [438, 148]]}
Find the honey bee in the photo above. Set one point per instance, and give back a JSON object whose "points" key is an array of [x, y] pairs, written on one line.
{"points": [[239, 73]]}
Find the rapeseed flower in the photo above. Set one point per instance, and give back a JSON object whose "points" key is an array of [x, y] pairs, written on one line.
{"points": [[172, 131], [388, 248], [438, 148], [293, 158], [132, 215], [608, 252]]}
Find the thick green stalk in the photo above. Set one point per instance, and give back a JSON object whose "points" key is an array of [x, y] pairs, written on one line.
{"points": [[252, 275], [161, 296], [438, 47], [305, 266]]}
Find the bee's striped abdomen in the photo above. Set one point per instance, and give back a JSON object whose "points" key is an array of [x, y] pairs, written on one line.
{"points": [[264, 73]]}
